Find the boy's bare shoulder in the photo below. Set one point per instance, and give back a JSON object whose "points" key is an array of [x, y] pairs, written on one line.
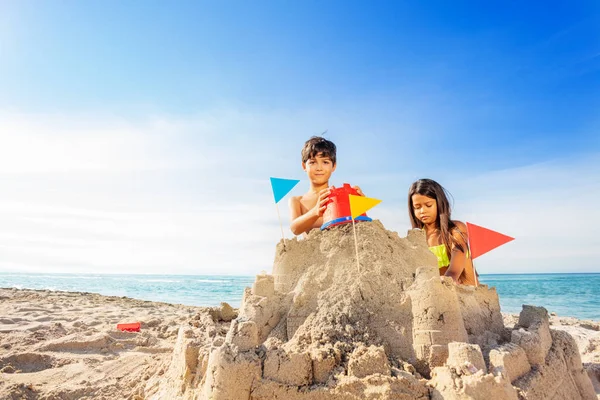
{"points": [[300, 204], [295, 204], [295, 199], [303, 197]]}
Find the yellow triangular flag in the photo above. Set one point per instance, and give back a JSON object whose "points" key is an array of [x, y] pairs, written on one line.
{"points": [[360, 204]]}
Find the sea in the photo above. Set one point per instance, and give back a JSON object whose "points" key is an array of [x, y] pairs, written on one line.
{"points": [[574, 295]]}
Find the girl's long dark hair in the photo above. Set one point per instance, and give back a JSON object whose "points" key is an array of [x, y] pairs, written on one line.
{"points": [[432, 189]]}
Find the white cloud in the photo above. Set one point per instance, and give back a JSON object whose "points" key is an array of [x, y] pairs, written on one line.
{"points": [[191, 195], [109, 195], [137, 242], [46, 143]]}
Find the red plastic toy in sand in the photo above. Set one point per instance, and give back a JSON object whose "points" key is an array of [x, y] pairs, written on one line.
{"points": [[338, 207], [131, 327]]}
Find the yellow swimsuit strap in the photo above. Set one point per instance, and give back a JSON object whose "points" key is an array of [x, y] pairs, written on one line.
{"points": [[442, 255]]}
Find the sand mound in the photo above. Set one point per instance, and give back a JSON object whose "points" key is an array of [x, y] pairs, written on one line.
{"points": [[320, 327], [29, 362]]}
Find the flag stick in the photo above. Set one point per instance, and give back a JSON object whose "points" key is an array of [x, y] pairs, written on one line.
{"points": [[355, 244], [280, 225]]}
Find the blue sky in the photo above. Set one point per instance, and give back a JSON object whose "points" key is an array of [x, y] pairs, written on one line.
{"points": [[139, 136]]}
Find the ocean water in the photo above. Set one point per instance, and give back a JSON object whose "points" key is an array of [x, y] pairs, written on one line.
{"points": [[576, 295], [195, 290]]}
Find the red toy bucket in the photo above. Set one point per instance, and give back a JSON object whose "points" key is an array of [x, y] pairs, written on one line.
{"points": [[338, 207], [132, 327]]}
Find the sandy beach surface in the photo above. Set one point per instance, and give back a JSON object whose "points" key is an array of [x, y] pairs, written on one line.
{"points": [[65, 345]]}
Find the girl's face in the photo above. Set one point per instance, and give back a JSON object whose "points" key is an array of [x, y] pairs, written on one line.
{"points": [[425, 208]]}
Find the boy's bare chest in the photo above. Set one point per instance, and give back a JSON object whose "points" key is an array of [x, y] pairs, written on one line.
{"points": [[307, 202]]}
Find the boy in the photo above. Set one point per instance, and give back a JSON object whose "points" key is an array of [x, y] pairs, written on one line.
{"points": [[319, 162]]}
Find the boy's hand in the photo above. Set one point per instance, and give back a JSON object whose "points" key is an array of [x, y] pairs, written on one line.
{"points": [[321, 202], [360, 192]]}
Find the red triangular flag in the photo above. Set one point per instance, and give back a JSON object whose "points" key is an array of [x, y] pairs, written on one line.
{"points": [[482, 240]]}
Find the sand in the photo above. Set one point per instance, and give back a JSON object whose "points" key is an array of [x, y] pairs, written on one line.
{"points": [[62, 345], [317, 327], [587, 336]]}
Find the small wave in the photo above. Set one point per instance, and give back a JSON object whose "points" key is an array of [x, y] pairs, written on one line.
{"points": [[32, 276], [56, 277], [210, 281], [159, 280], [86, 277]]}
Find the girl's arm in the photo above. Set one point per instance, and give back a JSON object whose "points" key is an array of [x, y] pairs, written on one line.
{"points": [[458, 258]]}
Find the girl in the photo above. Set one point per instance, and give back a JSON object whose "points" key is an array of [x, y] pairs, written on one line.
{"points": [[429, 209]]}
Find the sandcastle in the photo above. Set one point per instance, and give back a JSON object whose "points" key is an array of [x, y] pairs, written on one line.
{"points": [[319, 327]]}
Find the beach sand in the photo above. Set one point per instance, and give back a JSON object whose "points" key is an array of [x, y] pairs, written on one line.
{"points": [[65, 345]]}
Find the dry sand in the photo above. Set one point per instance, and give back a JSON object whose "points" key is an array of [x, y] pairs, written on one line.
{"points": [[62, 345], [587, 336], [317, 328]]}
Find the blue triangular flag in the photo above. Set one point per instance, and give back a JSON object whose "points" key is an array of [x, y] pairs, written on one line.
{"points": [[281, 187]]}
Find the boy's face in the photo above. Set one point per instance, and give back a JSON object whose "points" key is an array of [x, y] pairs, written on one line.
{"points": [[319, 169]]}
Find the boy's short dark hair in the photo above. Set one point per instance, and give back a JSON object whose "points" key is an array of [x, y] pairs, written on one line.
{"points": [[317, 145]]}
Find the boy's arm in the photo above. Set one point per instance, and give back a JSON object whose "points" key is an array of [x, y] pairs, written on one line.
{"points": [[304, 222]]}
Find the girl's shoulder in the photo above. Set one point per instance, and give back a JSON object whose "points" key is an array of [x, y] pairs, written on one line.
{"points": [[460, 225], [459, 231]]}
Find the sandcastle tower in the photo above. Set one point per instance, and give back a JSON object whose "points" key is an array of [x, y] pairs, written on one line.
{"points": [[320, 328]]}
